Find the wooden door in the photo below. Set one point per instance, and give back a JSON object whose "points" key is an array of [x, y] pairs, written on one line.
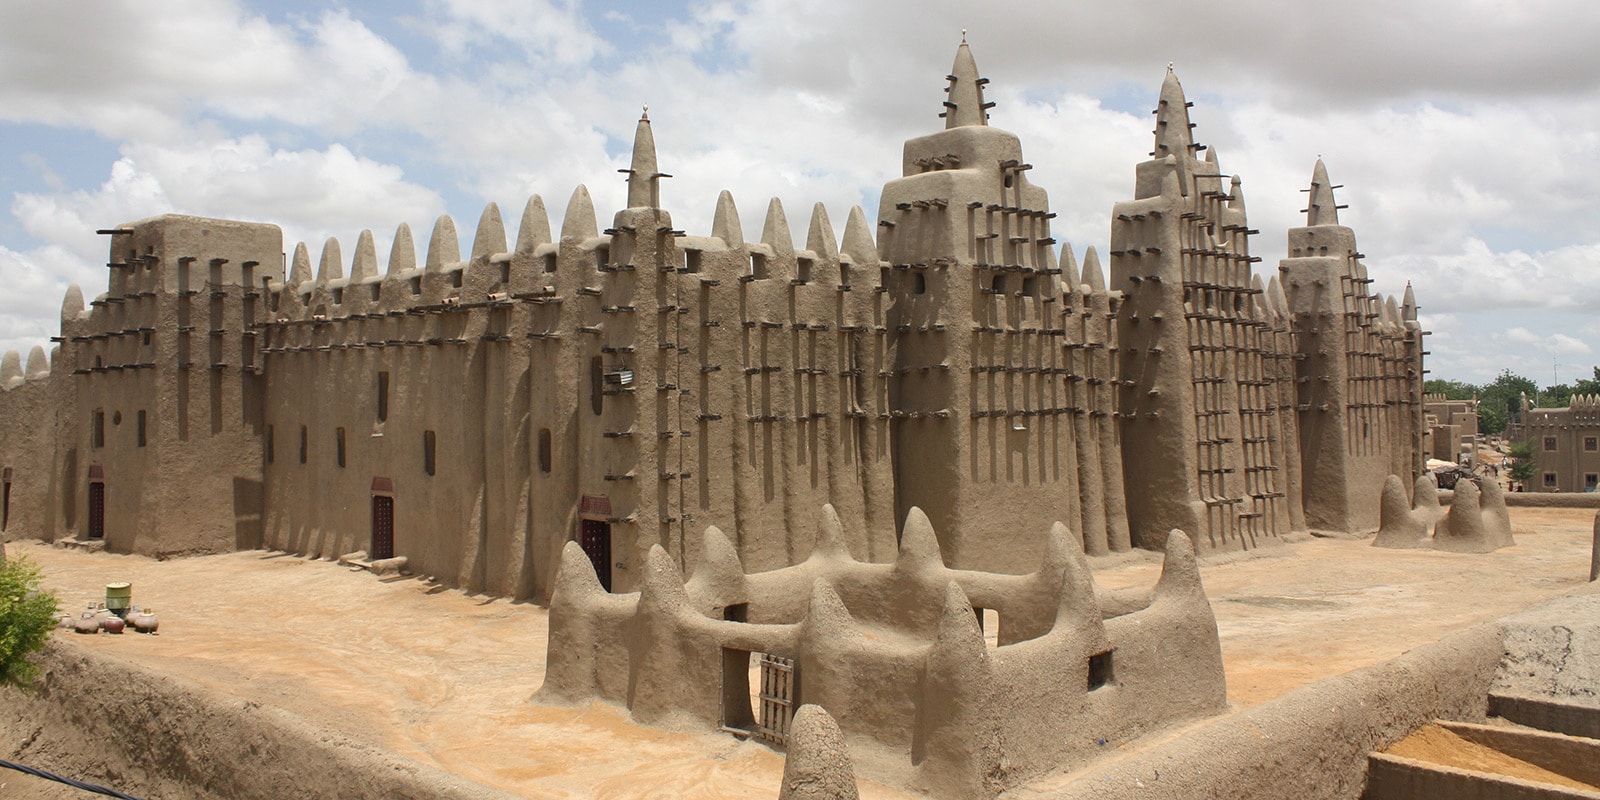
{"points": [[777, 699], [382, 527], [596, 542], [97, 510]]}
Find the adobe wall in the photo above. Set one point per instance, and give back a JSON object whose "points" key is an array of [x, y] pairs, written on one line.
{"points": [[110, 722], [1311, 743], [1571, 461], [29, 483]]}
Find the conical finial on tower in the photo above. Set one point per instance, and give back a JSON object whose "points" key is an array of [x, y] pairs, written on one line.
{"points": [[1322, 209], [643, 173], [1408, 303], [965, 106], [1173, 135]]}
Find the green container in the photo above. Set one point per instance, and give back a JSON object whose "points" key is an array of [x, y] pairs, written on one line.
{"points": [[119, 596]]}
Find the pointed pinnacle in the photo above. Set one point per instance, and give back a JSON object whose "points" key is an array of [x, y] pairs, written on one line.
{"points": [[965, 106], [1322, 210], [643, 174]]}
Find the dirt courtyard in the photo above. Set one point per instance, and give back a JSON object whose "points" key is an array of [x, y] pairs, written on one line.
{"points": [[444, 678]]}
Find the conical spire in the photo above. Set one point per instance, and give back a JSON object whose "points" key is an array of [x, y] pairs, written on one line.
{"points": [[38, 365], [819, 237], [365, 264], [965, 107], [725, 221], [1173, 137], [1408, 303], [644, 172], [1069, 267], [72, 302], [1092, 274], [403, 253], [332, 265], [858, 243], [443, 247], [535, 227], [1322, 210], [775, 233], [490, 238], [300, 266], [578, 222], [1236, 195]]}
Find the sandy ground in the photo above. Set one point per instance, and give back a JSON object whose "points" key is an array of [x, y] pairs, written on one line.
{"points": [[444, 678]]}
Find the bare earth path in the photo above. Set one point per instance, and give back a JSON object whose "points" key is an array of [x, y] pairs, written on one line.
{"points": [[443, 678]]}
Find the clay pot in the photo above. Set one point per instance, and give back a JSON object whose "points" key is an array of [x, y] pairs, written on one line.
{"points": [[145, 622], [86, 624], [112, 624]]}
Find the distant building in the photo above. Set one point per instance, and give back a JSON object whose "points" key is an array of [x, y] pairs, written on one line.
{"points": [[1566, 444], [1452, 428]]}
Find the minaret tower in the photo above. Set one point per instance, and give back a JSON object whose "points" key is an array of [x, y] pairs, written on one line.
{"points": [[980, 405]]}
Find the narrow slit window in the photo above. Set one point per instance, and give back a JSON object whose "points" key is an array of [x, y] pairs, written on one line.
{"points": [[269, 444], [803, 270], [429, 447], [98, 429], [758, 266], [546, 456], [338, 444], [1100, 670], [141, 429], [383, 396], [305, 441]]}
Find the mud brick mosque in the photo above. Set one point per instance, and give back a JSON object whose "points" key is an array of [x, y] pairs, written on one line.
{"points": [[626, 387]]}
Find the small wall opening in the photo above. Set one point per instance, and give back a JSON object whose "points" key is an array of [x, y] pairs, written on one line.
{"points": [[455, 277], [758, 266], [140, 429], [1100, 670], [416, 286], [597, 376], [305, 443], [998, 285], [602, 257], [269, 445], [919, 283], [383, 396], [989, 623], [691, 261], [338, 444], [97, 429], [429, 448], [738, 612], [803, 270], [546, 456], [550, 262], [5, 500], [738, 706]]}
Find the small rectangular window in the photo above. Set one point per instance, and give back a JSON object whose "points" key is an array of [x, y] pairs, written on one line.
{"points": [[545, 450], [305, 441], [803, 270], [338, 295], [1591, 444], [428, 450], [1549, 444], [550, 262], [269, 443], [455, 277], [758, 266], [377, 292], [338, 444], [1590, 481], [141, 429], [602, 257], [416, 286], [97, 430], [691, 261], [505, 273], [1100, 670], [383, 396], [844, 274], [919, 283], [1550, 480]]}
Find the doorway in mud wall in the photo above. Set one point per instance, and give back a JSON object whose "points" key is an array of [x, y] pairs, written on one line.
{"points": [[595, 538], [97, 503], [382, 526]]}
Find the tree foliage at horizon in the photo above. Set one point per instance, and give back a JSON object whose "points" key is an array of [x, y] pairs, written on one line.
{"points": [[27, 615], [1500, 400]]}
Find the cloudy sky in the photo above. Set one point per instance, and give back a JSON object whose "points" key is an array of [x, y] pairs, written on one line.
{"points": [[1464, 131]]}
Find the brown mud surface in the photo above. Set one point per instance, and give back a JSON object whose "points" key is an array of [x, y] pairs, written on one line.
{"points": [[443, 678], [1437, 745]]}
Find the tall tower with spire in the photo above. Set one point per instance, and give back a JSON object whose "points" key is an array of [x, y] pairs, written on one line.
{"points": [[1359, 368], [1202, 424], [987, 381]]}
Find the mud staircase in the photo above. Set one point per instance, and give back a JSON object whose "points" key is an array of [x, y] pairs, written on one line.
{"points": [[1533, 748]]}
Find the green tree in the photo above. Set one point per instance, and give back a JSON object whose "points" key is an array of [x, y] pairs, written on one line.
{"points": [[27, 615], [1452, 390], [1522, 465], [1501, 401]]}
